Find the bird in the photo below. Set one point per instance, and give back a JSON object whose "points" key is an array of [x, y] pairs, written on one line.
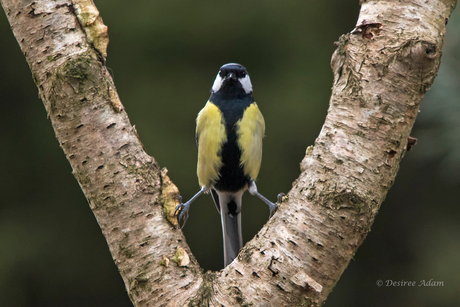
{"points": [[229, 133]]}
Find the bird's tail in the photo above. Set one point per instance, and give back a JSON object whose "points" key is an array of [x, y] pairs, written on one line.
{"points": [[230, 214]]}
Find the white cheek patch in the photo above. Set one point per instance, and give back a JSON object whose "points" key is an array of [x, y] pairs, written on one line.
{"points": [[246, 84], [217, 84]]}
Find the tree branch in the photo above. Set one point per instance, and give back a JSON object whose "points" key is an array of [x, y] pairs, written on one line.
{"points": [[382, 69]]}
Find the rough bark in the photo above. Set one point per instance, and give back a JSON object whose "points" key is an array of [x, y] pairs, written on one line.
{"points": [[382, 70]]}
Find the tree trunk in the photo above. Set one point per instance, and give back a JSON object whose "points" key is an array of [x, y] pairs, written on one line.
{"points": [[382, 70]]}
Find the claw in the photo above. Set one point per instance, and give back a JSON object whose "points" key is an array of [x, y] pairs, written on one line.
{"points": [[274, 206], [182, 213], [183, 209], [179, 198], [279, 198], [179, 207]]}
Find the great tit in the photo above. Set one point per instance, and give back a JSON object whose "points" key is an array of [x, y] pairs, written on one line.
{"points": [[229, 133]]}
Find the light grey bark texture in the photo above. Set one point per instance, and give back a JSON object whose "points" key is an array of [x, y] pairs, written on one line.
{"points": [[382, 70]]}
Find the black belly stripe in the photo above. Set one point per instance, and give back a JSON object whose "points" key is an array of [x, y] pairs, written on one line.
{"points": [[231, 174]]}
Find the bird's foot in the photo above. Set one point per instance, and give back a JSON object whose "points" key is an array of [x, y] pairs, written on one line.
{"points": [[183, 209], [279, 198], [182, 212], [274, 206]]}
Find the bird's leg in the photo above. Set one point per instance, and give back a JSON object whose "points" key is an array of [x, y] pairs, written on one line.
{"points": [[184, 208], [253, 191]]}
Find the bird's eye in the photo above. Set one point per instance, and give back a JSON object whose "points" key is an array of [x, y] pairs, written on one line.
{"points": [[220, 73], [243, 74]]}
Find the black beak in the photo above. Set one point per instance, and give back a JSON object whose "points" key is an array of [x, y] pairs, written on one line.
{"points": [[232, 76]]}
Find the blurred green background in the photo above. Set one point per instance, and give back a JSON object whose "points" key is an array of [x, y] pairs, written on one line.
{"points": [[165, 55]]}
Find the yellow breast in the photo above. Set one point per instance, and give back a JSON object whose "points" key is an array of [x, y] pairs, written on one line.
{"points": [[250, 131], [210, 131]]}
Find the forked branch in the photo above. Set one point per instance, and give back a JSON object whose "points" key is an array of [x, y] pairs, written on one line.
{"points": [[382, 70]]}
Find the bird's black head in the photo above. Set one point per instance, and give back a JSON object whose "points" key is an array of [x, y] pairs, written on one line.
{"points": [[233, 80]]}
